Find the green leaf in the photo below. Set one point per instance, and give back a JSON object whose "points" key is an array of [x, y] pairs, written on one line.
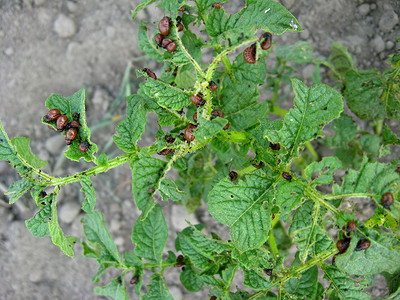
{"points": [[96, 232], [90, 199], [300, 53], [157, 289], [314, 107], [68, 106], [185, 79], [256, 259], [267, 15], [324, 169], [23, 148], [66, 243], [167, 95], [116, 289], [306, 286], [370, 143], [203, 6], [130, 130], [392, 281], [169, 190], [341, 59], [18, 189], [198, 247], [147, 45], [170, 5], [343, 286], [143, 4], [209, 128], [191, 280], [146, 173], [254, 73], [375, 177], [7, 150], [383, 255], [132, 260], [371, 95], [242, 208], [102, 160], [345, 130], [289, 196], [165, 117], [310, 237], [39, 224], [150, 235], [256, 281]]}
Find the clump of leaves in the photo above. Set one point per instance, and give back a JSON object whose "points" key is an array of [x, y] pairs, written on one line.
{"points": [[265, 195]]}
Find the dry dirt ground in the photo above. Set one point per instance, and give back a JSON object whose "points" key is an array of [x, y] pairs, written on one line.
{"points": [[60, 46]]}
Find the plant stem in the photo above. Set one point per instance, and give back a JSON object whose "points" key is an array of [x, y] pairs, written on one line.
{"points": [[228, 67], [316, 196], [312, 151], [355, 195], [378, 127], [272, 243]]}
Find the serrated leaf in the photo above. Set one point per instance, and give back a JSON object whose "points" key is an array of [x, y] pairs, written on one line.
{"points": [[307, 233], [167, 95], [165, 117], [157, 289], [324, 168], [23, 148], [314, 107], [115, 289], [254, 73], [68, 106], [341, 59], [170, 5], [203, 6], [371, 95], [66, 243], [17, 189], [242, 208], [306, 286], [388, 138], [39, 224], [300, 53], [198, 247], [345, 130], [375, 177], [191, 280], [383, 255], [169, 190], [370, 143], [344, 287], [150, 235], [289, 196], [130, 130], [256, 281], [252, 259], [208, 128], [90, 199], [7, 150], [96, 232], [132, 260], [146, 173], [147, 45], [143, 4]]}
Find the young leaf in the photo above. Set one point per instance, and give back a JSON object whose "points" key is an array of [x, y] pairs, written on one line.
{"points": [[198, 247], [169, 190], [311, 238], [314, 107], [68, 106], [325, 169], [96, 232], [143, 4], [116, 289], [66, 243], [383, 255], [90, 199], [147, 45], [306, 286], [130, 130], [341, 59], [157, 289], [343, 286], [167, 95], [23, 148], [289, 196], [300, 53], [18, 189], [146, 173], [242, 208], [150, 235]]}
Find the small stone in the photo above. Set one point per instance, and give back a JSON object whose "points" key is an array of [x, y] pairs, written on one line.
{"points": [[9, 51], [55, 144], [72, 6], [378, 44], [363, 9], [119, 241], [389, 45], [305, 34], [39, 2], [110, 31], [388, 20], [372, 6], [179, 216], [64, 26], [68, 212], [175, 292], [36, 276], [308, 71]]}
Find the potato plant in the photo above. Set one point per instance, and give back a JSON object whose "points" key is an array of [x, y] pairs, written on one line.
{"points": [[261, 178]]}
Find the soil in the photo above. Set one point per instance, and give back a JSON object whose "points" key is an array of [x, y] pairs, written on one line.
{"points": [[61, 46]]}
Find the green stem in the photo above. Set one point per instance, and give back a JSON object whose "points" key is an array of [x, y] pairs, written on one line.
{"points": [[228, 67], [272, 244], [316, 196], [355, 195], [279, 111], [312, 151], [378, 127], [298, 270]]}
